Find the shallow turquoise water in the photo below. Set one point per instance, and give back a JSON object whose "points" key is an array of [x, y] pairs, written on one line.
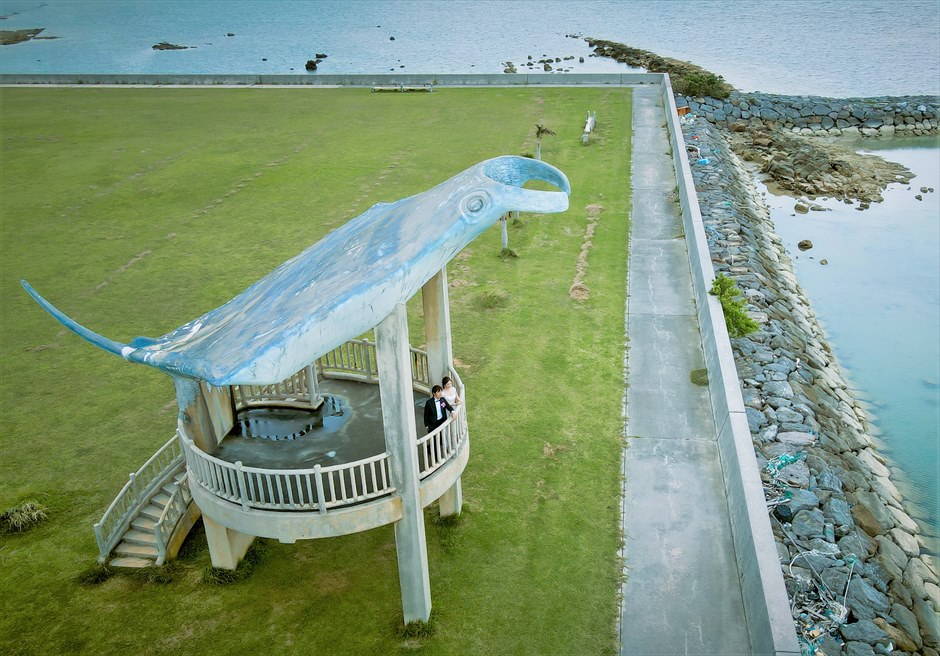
{"points": [[879, 302]]}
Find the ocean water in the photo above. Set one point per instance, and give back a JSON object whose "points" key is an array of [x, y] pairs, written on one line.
{"points": [[878, 297], [840, 48]]}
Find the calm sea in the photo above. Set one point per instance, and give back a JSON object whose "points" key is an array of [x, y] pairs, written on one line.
{"points": [[879, 296]]}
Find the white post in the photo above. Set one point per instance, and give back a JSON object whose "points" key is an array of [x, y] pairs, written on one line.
{"points": [[504, 232], [394, 364], [440, 358], [437, 326], [313, 387]]}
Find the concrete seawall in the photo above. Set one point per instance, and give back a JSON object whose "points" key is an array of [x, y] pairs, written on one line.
{"points": [[315, 80], [770, 626]]}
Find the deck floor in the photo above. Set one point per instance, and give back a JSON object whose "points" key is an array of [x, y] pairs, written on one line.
{"points": [[354, 436]]}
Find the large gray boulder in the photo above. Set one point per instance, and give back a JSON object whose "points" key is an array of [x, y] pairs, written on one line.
{"points": [[809, 523], [907, 622], [929, 624], [863, 631]]}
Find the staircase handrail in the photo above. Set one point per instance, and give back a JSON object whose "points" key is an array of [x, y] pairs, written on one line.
{"points": [[175, 508], [136, 492]]}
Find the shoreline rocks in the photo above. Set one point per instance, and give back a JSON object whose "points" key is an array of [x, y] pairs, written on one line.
{"points": [[819, 116], [838, 520], [680, 72], [782, 135], [9, 37], [777, 131], [164, 45]]}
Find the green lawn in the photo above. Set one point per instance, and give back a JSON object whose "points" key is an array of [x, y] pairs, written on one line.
{"points": [[136, 210]]}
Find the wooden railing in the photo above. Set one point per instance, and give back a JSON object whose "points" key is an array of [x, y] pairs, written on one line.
{"points": [[292, 390], [136, 492], [438, 446], [175, 508], [319, 488], [356, 359]]}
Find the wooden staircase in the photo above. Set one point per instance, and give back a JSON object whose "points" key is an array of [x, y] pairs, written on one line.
{"points": [[153, 513], [138, 545]]}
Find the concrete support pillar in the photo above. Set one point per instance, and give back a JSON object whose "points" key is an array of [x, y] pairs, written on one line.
{"points": [[313, 387], [394, 364], [451, 502], [226, 547], [195, 417], [436, 305]]}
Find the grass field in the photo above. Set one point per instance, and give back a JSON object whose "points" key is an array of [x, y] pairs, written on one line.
{"points": [[136, 210]]}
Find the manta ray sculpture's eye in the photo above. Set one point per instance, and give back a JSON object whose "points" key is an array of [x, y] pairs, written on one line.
{"points": [[473, 205]]}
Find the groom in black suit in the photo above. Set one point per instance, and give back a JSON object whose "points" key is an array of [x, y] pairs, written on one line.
{"points": [[436, 409]]}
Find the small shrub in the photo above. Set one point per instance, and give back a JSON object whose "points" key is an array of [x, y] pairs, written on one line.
{"points": [[736, 319], [702, 84], [94, 575], [491, 298], [23, 517], [255, 555], [698, 376], [416, 629], [162, 575], [220, 576]]}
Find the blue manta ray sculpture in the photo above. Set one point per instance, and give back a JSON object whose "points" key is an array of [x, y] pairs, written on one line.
{"points": [[343, 285]]}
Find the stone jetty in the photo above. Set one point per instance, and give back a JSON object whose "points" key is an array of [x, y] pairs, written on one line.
{"points": [[781, 135], [855, 564]]}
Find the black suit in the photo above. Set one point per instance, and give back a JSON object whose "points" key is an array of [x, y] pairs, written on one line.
{"points": [[430, 414]]}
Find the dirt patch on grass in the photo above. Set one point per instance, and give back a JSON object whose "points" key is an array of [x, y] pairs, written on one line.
{"points": [[578, 290], [549, 450], [124, 267]]}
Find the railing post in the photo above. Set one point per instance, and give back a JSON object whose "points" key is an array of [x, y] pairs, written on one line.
{"points": [[321, 502], [161, 542], [99, 538], [242, 488], [313, 386]]}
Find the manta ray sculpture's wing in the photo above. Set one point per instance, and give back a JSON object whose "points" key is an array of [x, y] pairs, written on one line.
{"points": [[344, 284]]}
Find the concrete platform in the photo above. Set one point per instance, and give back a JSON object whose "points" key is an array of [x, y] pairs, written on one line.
{"points": [[354, 435], [682, 593]]}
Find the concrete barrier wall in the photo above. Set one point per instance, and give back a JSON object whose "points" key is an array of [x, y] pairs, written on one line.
{"points": [[359, 80], [767, 606]]}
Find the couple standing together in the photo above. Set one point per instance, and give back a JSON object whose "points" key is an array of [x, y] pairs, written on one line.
{"points": [[443, 399]]}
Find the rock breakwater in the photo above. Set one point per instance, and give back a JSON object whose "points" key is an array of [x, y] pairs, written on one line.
{"points": [[855, 564], [885, 116], [778, 133]]}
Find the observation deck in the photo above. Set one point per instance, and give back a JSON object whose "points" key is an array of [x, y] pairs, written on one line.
{"points": [[309, 498]]}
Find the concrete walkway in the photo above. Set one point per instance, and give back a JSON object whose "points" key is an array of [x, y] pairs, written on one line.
{"points": [[682, 593]]}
